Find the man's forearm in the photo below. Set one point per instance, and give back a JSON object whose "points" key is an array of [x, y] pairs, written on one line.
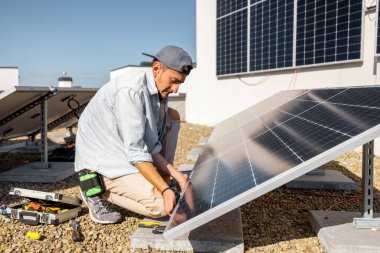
{"points": [[149, 171], [166, 168]]}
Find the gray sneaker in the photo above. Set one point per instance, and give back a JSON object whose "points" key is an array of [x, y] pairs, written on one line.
{"points": [[99, 210]]}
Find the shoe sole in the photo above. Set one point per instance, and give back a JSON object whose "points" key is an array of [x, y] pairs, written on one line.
{"points": [[91, 215]]}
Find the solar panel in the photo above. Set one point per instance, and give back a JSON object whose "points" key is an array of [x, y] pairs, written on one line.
{"points": [[378, 30], [232, 43], [271, 40], [328, 31], [286, 34], [263, 148], [20, 114], [227, 6]]}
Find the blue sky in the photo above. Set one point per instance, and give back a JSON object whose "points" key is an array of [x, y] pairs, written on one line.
{"points": [[88, 38]]}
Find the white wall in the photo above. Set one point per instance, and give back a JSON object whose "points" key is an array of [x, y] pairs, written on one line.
{"points": [[210, 100], [129, 69], [8, 77]]}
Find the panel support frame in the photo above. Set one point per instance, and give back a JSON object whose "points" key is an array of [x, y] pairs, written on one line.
{"points": [[62, 119], [44, 155], [367, 220], [44, 163], [12, 116]]}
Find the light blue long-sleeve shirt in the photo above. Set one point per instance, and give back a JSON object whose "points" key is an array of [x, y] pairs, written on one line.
{"points": [[119, 126]]}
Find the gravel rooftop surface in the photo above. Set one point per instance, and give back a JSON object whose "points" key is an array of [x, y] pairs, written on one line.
{"points": [[275, 222]]}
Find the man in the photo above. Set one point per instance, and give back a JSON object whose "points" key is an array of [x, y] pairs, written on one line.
{"points": [[128, 134]]}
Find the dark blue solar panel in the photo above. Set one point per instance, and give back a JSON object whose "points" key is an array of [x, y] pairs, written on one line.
{"points": [[328, 31], [224, 7], [378, 30], [232, 43], [271, 40], [312, 126]]}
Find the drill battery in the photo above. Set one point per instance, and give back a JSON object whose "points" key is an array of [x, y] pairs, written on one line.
{"points": [[91, 183]]}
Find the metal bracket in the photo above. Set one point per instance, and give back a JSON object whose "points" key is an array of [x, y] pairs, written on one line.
{"points": [[367, 220], [44, 143]]}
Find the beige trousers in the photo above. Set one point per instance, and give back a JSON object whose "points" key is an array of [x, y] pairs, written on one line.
{"points": [[134, 192]]}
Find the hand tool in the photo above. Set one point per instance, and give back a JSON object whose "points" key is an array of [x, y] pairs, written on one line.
{"points": [[76, 235], [150, 224]]}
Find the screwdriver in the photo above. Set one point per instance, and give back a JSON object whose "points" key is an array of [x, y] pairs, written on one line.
{"points": [[149, 224], [76, 236]]}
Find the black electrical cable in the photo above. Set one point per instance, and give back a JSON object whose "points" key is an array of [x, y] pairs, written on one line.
{"points": [[71, 107]]}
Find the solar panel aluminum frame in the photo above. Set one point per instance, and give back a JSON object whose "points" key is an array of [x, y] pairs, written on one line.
{"points": [[377, 27], [32, 97], [294, 67], [272, 184]]}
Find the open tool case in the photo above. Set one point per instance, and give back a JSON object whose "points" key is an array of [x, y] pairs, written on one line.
{"points": [[69, 207]]}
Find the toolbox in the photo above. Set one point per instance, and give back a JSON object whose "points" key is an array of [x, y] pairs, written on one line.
{"points": [[43, 207]]}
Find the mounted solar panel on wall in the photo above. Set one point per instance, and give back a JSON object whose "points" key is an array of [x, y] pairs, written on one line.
{"points": [[267, 35], [378, 30], [328, 31], [271, 40], [268, 145], [232, 37]]}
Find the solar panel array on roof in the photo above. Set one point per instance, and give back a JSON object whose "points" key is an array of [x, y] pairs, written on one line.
{"points": [[268, 145], [262, 35]]}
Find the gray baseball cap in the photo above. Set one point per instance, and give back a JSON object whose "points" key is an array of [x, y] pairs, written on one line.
{"points": [[174, 58]]}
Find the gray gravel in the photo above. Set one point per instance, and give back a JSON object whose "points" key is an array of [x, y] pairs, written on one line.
{"points": [[275, 222]]}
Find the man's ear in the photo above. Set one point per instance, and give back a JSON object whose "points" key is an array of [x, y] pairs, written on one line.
{"points": [[156, 68]]}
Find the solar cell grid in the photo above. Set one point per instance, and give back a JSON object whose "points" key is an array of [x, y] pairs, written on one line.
{"points": [[328, 31], [279, 159], [227, 6], [232, 43], [378, 29], [271, 40], [274, 147]]}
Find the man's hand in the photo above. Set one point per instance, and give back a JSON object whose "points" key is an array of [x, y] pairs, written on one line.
{"points": [[182, 181], [189, 197], [169, 170], [169, 201]]}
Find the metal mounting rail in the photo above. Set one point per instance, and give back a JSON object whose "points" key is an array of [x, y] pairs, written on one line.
{"points": [[38, 101], [367, 220]]}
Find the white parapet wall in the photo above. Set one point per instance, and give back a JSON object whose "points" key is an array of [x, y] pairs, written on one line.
{"points": [[9, 77]]}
